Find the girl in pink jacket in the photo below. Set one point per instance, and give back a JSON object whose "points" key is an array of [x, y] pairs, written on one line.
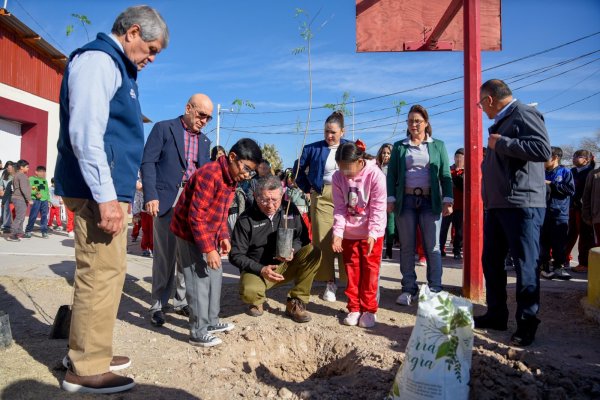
{"points": [[359, 199]]}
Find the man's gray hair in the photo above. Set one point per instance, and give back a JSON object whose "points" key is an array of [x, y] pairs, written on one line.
{"points": [[152, 25], [270, 182]]}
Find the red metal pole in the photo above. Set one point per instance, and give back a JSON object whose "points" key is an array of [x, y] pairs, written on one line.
{"points": [[473, 224]]}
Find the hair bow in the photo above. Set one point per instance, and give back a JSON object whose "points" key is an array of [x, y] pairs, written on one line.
{"points": [[361, 145]]}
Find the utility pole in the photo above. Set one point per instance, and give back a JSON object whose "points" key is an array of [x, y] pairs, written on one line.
{"points": [[353, 119], [219, 111]]}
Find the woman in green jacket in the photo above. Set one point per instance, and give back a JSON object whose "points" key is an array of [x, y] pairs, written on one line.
{"points": [[419, 187]]}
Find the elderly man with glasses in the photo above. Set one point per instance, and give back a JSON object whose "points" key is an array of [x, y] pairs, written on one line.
{"points": [[253, 251], [173, 152]]}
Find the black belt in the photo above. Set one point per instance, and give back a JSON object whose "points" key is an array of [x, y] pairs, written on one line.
{"points": [[182, 184]]}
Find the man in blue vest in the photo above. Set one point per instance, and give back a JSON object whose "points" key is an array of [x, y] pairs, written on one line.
{"points": [[100, 147]]}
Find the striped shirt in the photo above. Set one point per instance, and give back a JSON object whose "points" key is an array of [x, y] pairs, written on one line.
{"points": [[190, 151], [200, 215]]}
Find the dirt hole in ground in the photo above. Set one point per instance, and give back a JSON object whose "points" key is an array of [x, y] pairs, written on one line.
{"points": [[303, 355]]}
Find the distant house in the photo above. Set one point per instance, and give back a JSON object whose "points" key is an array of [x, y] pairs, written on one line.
{"points": [[31, 72]]}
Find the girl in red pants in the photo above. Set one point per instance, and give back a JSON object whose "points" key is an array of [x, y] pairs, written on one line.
{"points": [[360, 219]]}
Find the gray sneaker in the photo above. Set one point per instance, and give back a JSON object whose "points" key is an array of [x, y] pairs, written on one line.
{"points": [[220, 327], [206, 340]]}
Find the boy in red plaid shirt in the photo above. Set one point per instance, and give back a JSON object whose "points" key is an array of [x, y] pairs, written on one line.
{"points": [[200, 224]]}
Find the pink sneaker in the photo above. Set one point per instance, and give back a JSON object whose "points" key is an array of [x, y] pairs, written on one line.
{"points": [[367, 320]]}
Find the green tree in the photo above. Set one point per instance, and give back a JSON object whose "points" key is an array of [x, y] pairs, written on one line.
{"points": [[271, 154], [83, 20], [340, 105]]}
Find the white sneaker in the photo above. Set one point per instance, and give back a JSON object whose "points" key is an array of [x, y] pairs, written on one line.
{"points": [[71, 234], [352, 318], [367, 320], [404, 299], [329, 294]]}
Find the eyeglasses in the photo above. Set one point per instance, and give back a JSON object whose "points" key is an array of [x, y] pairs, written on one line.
{"points": [[480, 101], [416, 122], [265, 201], [247, 169], [201, 115]]}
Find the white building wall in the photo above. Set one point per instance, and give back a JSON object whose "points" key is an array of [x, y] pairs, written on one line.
{"points": [[10, 140], [51, 107]]}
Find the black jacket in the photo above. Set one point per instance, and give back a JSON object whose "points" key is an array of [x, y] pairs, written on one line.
{"points": [[513, 173], [254, 238]]}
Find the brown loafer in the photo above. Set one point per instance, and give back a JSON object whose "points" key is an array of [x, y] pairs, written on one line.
{"points": [[296, 310], [102, 383], [116, 364], [255, 310]]}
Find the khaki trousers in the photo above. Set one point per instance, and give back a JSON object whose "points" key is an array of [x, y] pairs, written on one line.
{"points": [[301, 270], [99, 277], [321, 214]]}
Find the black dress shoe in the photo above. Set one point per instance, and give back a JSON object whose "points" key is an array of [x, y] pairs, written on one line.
{"points": [[525, 334], [185, 311], [158, 318], [486, 321]]}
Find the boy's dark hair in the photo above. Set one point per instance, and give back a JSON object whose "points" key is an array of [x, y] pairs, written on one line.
{"points": [[214, 151], [460, 151], [336, 117], [40, 168], [247, 149], [557, 152], [496, 88], [351, 151], [22, 164]]}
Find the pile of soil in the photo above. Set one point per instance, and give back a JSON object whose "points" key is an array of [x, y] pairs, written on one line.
{"points": [[273, 357]]}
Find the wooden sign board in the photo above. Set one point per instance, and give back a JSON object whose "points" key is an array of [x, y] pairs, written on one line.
{"points": [[405, 25]]}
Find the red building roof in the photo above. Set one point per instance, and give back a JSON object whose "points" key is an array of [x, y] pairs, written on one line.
{"points": [[29, 62]]}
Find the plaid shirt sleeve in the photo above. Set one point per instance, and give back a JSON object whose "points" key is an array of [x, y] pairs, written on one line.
{"points": [[200, 208]]}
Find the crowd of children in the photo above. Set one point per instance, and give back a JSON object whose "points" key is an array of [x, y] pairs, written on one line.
{"points": [[20, 192]]}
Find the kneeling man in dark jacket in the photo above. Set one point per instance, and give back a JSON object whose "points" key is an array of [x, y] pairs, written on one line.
{"points": [[253, 251]]}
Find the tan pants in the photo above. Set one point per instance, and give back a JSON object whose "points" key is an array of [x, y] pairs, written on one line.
{"points": [[99, 278], [321, 214]]}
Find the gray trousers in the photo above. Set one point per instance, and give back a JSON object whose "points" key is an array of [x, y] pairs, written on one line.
{"points": [[203, 288], [20, 211], [167, 276]]}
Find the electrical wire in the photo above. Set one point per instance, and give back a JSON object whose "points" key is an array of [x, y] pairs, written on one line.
{"points": [[570, 104], [438, 82], [56, 42]]}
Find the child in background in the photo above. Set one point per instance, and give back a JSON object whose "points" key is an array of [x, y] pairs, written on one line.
{"points": [[383, 159], [143, 220], [40, 196], [299, 199], [590, 212], [55, 203], [360, 220], [200, 224], [21, 197], [6, 189], [583, 164], [553, 236]]}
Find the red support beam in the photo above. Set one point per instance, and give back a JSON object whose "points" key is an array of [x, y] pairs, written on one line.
{"points": [[473, 224]]}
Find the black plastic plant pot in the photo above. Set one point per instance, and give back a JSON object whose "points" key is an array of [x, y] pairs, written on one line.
{"points": [[285, 237]]}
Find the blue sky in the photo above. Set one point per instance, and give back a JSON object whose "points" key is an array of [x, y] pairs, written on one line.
{"points": [[243, 49]]}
